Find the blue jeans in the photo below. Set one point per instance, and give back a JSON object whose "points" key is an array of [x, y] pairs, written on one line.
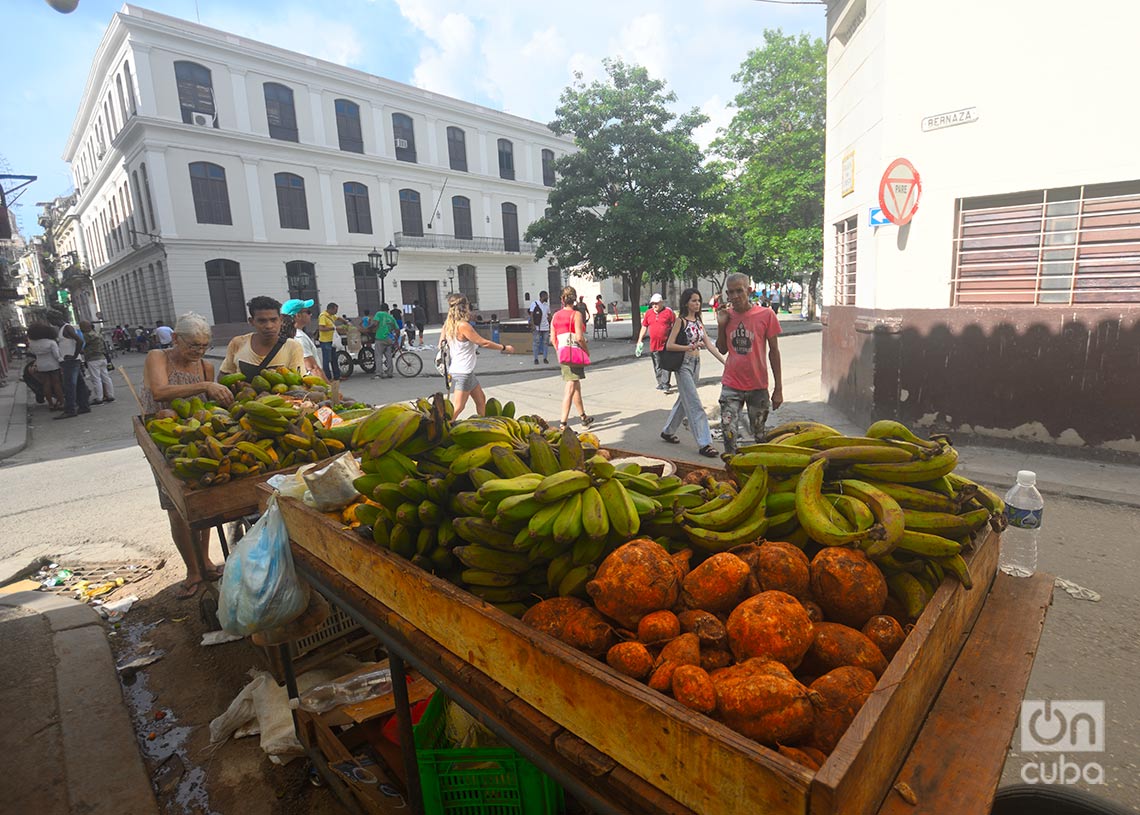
{"points": [[76, 396], [540, 340], [329, 362], [688, 404], [732, 403]]}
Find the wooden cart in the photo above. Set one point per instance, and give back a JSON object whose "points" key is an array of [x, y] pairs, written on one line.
{"points": [[939, 721]]}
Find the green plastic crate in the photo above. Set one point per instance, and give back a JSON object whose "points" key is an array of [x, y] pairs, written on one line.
{"points": [[479, 780]]}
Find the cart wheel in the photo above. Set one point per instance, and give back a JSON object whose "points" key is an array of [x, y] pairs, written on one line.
{"points": [[1040, 799], [208, 611], [344, 360], [409, 364], [367, 360], [315, 778]]}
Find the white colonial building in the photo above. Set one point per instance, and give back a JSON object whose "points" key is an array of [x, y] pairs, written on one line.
{"points": [[211, 168]]}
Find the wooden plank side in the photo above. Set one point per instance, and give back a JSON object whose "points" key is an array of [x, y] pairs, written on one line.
{"points": [[173, 487], [956, 763], [860, 771], [691, 758]]}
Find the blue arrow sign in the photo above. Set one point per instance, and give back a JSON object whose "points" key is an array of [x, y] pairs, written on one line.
{"points": [[876, 217]]}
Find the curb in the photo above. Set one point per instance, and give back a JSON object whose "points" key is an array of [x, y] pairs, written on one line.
{"points": [[1000, 482], [15, 436]]}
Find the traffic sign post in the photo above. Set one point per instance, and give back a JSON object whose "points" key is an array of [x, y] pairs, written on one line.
{"points": [[899, 191]]}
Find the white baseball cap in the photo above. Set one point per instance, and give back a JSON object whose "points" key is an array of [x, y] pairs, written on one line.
{"points": [[656, 298]]}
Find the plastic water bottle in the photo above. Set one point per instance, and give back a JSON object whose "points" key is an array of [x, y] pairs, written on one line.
{"points": [[1023, 508]]}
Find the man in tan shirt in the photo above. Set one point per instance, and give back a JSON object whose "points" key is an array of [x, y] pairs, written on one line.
{"points": [[247, 351]]}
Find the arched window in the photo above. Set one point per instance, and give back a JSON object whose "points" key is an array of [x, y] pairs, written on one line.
{"points": [[149, 204], [367, 288], [138, 199], [348, 130], [461, 216], [404, 137], [280, 112], [130, 88], [291, 206], [301, 277], [195, 91], [457, 148], [123, 112], [467, 283], [506, 159], [510, 228], [411, 218], [211, 197], [227, 298], [357, 208], [548, 167]]}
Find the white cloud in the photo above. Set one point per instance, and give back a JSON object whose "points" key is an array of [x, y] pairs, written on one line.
{"points": [[643, 41], [719, 116]]}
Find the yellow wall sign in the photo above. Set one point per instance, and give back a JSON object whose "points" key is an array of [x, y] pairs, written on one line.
{"points": [[848, 173]]}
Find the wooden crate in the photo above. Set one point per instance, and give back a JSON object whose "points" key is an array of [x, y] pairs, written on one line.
{"points": [[204, 507], [698, 762]]}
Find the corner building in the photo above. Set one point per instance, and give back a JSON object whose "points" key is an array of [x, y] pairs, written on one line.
{"points": [[211, 168], [1009, 306]]}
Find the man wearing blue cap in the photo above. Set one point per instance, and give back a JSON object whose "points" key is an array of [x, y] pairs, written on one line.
{"points": [[297, 314]]}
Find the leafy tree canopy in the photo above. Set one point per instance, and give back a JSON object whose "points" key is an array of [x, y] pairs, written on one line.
{"points": [[630, 202], [775, 143]]}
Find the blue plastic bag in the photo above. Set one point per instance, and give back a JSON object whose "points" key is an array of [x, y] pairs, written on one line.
{"points": [[260, 588]]}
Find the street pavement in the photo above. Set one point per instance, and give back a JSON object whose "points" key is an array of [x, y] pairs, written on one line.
{"points": [[81, 490]]}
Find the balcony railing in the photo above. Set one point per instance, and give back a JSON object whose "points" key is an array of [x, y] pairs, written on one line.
{"points": [[453, 244]]}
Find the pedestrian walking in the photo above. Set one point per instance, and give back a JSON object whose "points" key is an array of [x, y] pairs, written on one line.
{"points": [[43, 345], [462, 338], [540, 321], [76, 396], [688, 336], [102, 388], [163, 334], [295, 318], [743, 330], [568, 328], [658, 322], [326, 336], [387, 336], [419, 319], [181, 372]]}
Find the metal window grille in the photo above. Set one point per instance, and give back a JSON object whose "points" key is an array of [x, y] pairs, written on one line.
{"points": [[846, 245], [1071, 246]]}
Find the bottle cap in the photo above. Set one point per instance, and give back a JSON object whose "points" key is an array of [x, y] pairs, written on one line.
{"points": [[1026, 478]]}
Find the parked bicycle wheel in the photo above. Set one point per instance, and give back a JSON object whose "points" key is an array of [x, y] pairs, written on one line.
{"points": [[409, 364], [344, 360], [367, 359]]}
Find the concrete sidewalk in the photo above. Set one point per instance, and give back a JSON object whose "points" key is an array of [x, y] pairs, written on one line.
{"points": [[67, 739], [13, 418]]}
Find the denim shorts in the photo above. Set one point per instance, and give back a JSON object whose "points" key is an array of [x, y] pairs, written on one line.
{"points": [[464, 382]]}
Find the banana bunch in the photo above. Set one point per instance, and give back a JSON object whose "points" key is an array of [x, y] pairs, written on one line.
{"points": [[281, 381], [208, 445], [888, 492]]}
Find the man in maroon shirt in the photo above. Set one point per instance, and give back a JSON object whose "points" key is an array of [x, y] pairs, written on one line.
{"points": [[742, 332], [657, 321]]}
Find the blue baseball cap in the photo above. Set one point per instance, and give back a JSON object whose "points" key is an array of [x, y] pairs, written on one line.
{"points": [[291, 307]]}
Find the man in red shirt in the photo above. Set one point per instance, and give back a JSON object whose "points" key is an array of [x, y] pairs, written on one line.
{"points": [[742, 331], [658, 320]]}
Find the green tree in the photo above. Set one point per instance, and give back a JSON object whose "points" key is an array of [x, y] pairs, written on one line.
{"points": [[631, 200], [776, 144]]}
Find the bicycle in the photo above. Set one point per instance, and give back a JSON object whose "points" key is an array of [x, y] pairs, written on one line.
{"points": [[365, 358], [406, 362]]}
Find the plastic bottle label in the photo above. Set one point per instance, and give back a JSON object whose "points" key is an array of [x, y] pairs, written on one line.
{"points": [[1023, 518]]}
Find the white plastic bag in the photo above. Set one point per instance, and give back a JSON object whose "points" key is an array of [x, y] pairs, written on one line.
{"points": [[260, 588], [331, 485]]}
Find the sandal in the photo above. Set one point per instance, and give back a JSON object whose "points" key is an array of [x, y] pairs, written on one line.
{"points": [[669, 437], [587, 420], [187, 591], [214, 573], [708, 451]]}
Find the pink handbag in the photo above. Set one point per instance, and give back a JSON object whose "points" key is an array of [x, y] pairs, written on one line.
{"points": [[570, 353]]}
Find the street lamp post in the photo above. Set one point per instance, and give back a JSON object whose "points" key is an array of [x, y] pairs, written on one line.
{"points": [[381, 264], [451, 280]]}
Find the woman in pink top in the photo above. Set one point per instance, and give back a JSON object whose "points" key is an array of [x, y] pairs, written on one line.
{"points": [[568, 328]]}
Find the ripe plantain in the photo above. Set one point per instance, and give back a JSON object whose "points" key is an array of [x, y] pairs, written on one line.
{"points": [[817, 515], [913, 472], [888, 514], [887, 429]]}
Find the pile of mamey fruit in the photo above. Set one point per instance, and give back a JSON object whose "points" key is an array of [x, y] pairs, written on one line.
{"points": [[208, 445]]}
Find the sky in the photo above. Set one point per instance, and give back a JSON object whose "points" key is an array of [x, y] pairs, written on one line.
{"points": [[510, 55]]}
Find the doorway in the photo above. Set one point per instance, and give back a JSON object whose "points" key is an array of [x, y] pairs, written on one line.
{"points": [[301, 277], [554, 284], [427, 292], [513, 292]]}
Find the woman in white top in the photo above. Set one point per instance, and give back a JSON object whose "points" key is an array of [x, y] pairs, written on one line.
{"points": [[43, 345], [688, 336], [295, 318], [461, 339]]}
